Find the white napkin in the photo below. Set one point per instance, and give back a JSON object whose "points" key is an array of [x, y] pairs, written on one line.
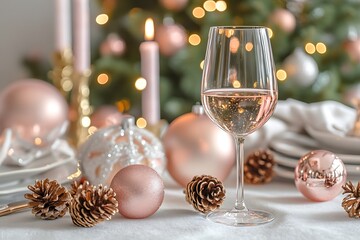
{"points": [[327, 116], [296, 116]]}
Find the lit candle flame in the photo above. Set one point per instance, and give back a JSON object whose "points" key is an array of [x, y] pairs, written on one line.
{"points": [[149, 29]]}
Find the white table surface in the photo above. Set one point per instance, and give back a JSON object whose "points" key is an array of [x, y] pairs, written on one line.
{"points": [[296, 218]]}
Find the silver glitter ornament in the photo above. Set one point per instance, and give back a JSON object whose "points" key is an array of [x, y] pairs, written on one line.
{"points": [[110, 149]]}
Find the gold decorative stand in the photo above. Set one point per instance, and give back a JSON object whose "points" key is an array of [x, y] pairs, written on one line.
{"points": [[63, 71], [80, 108]]}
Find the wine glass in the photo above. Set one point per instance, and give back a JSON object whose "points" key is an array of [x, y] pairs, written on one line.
{"points": [[239, 94]]}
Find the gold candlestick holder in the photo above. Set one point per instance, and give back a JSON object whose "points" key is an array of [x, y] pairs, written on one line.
{"points": [[63, 71], [80, 109]]}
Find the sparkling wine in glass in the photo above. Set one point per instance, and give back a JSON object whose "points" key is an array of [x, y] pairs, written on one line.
{"points": [[239, 94]]}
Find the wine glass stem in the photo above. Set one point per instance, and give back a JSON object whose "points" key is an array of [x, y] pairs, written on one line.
{"points": [[240, 203]]}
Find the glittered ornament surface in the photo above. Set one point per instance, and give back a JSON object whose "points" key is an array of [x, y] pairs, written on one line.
{"points": [[319, 175], [139, 191], [194, 145], [110, 149]]}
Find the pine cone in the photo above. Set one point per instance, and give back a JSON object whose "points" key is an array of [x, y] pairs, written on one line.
{"points": [[351, 203], [205, 193], [49, 199], [258, 167], [91, 205], [78, 186]]}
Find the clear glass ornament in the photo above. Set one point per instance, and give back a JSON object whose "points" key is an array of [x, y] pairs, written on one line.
{"points": [[110, 149]]}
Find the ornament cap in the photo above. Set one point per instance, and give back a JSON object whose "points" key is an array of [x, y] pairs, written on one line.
{"points": [[127, 122], [198, 109]]}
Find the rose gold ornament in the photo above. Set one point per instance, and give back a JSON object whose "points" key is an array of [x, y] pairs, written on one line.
{"points": [[319, 175], [352, 47], [194, 145], [113, 45], [171, 38], [174, 5], [139, 191], [34, 110], [105, 116], [284, 19]]}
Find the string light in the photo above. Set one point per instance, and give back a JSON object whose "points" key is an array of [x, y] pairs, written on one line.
{"points": [[209, 5], [92, 130], [37, 141], [221, 6], [202, 65], [102, 19], [194, 39], [198, 12], [103, 79], [321, 48], [123, 105], [141, 123], [281, 75], [310, 48], [234, 44], [249, 46], [236, 84], [67, 85], [85, 122], [140, 84]]}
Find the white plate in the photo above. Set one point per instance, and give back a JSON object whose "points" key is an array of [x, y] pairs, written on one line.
{"points": [[296, 145], [16, 173], [340, 144], [284, 173], [60, 173], [292, 162]]}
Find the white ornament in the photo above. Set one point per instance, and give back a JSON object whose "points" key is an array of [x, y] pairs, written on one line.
{"points": [[301, 68], [112, 148]]}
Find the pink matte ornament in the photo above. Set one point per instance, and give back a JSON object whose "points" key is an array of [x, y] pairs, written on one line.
{"points": [[352, 48], [174, 5], [33, 109], [284, 19], [194, 145], [319, 175], [139, 191], [105, 116], [112, 45], [171, 38]]}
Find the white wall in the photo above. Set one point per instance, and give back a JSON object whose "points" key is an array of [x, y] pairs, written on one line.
{"points": [[27, 27]]}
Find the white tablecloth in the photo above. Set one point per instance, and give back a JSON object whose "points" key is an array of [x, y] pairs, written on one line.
{"points": [[296, 218]]}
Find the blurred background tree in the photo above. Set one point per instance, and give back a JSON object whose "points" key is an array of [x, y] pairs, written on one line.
{"points": [[316, 47]]}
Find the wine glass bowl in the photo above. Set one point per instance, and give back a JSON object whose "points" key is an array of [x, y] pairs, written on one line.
{"points": [[239, 94]]}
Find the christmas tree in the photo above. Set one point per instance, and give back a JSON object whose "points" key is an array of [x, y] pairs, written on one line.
{"points": [[316, 46]]}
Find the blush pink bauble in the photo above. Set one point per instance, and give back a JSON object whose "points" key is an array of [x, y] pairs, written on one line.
{"points": [[139, 191], [34, 110], [319, 175]]}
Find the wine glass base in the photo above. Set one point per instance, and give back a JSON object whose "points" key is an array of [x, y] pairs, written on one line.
{"points": [[239, 218]]}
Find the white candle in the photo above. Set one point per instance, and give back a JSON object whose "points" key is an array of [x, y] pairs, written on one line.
{"points": [[149, 51], [81, 36], [62, 25]]}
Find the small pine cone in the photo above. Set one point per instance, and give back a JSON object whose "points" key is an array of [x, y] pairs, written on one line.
{"points": [[77, 187], [351, 203], [258, 167], [49, 199], [91, 205], [205, 193]]}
